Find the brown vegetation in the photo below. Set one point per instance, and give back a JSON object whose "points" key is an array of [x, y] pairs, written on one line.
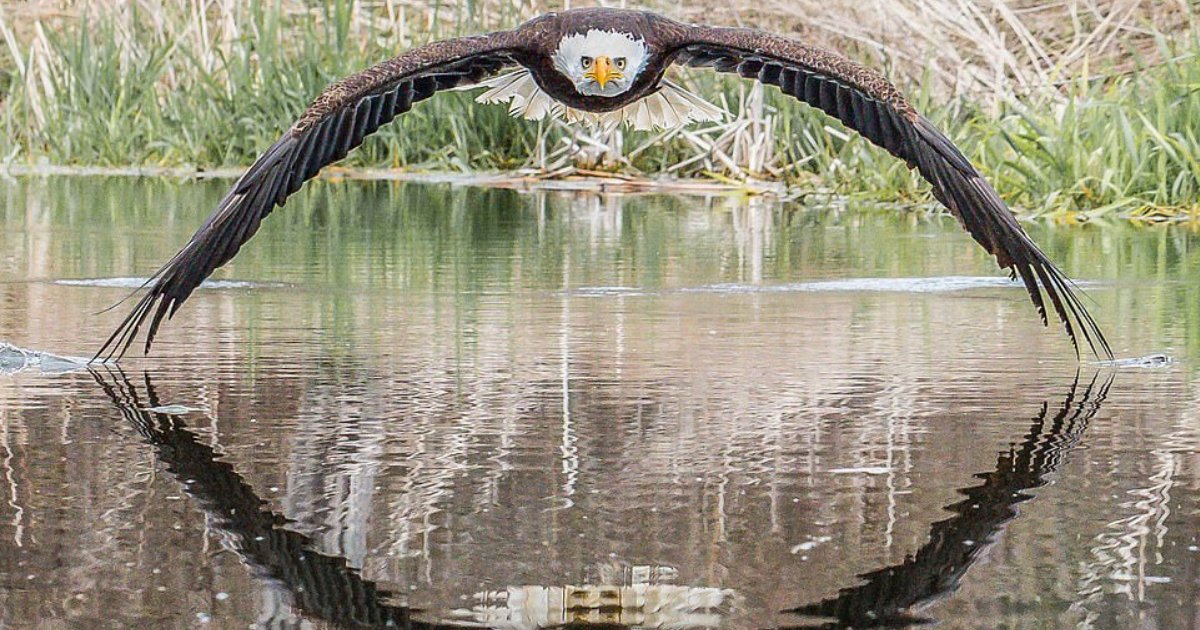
{"points": [[1067, 105], [984, 49]]}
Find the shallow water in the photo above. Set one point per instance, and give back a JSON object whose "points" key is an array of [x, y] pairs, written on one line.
{"points": [[654, 411]]}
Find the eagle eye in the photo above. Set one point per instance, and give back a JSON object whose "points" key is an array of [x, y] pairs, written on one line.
{"points": [[586, 61], [620, 62]]}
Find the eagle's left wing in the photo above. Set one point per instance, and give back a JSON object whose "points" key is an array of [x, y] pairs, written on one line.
{"points": [[868, 103]]}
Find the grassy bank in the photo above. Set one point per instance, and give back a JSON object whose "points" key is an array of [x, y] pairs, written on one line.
{"points": [[171, 85]]}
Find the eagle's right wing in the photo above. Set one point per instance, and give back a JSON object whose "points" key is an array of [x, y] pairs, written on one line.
{"points": [[336, 122]]}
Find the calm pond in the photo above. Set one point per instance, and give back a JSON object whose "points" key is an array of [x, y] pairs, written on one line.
{"points": [[421, 403]]}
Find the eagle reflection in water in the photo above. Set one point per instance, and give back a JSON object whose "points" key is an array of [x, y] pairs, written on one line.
{"points": [[326, 588]]}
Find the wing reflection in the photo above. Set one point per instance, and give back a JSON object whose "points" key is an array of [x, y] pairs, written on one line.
{"points": [[320, 586], [956, 543], [325, 587]]}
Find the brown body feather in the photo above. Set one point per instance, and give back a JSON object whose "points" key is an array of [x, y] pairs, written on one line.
{"points": [[350, 109]]}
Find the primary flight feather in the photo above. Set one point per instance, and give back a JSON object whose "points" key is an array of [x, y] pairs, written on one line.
{"points": [[604, 66]]}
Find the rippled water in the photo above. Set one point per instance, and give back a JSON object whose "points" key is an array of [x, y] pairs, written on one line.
{"points": [[524, 410]]}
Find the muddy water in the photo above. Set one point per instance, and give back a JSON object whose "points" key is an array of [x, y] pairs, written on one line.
{"points": [[422, 404]]}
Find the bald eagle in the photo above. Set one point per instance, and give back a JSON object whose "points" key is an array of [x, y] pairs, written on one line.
{"points": [[604, 66]]}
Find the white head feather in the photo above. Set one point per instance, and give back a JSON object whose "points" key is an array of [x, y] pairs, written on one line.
{"points": [[621, 48]]}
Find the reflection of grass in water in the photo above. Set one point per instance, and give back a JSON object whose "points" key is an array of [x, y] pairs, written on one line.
{"points": [[129, 92], [409, 239]]}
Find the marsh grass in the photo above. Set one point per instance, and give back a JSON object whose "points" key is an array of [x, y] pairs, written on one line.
{"points": [[169, 84]]}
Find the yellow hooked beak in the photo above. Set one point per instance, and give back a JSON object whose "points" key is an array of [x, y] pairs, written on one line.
{"points": [[602, 71]]}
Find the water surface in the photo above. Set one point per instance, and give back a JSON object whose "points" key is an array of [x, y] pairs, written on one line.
{"points": [[424, 404]]}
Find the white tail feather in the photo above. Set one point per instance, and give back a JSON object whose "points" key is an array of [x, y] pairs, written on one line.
{"points": [[671, 106]]}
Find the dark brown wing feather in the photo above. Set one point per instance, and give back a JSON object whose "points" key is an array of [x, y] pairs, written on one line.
{"points": [[868, 103], [335, 123]]}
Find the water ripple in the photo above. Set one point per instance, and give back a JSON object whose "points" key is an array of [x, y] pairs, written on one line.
{"points": [[942, 284], [14, 360], [1148, 362], [137, 283]]}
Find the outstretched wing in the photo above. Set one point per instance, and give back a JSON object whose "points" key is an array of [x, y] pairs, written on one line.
{"points": [[336, 122], [868, 103]]}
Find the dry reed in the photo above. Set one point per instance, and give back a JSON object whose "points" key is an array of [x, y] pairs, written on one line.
{"points": [[252, 66]]}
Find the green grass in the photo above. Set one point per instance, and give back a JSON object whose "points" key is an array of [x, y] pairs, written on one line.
{"points": [[1129, 146], [1125, 146]]}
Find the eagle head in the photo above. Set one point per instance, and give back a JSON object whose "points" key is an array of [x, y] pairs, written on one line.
{"points": [[601, 63]]}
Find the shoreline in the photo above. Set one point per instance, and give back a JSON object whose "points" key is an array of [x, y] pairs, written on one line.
{"points": [[571, 179], [568, 179]]}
